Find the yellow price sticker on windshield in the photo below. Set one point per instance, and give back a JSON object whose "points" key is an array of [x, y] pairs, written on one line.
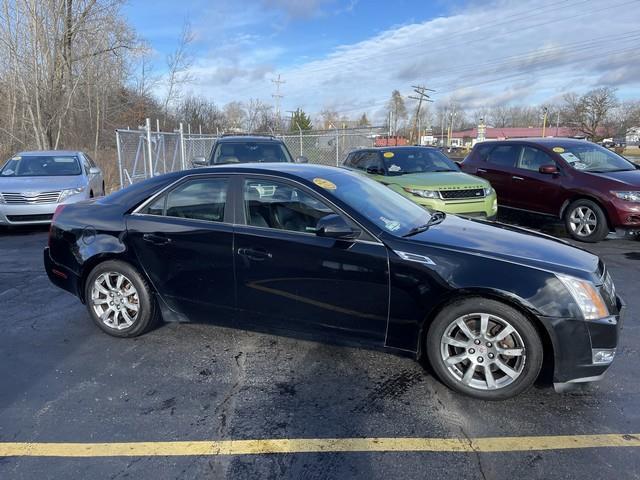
{"points": [[558, 149], [388, 154], [326, 184]]}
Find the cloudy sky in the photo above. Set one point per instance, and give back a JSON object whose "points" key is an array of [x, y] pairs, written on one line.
{"points": [[350, 54]]}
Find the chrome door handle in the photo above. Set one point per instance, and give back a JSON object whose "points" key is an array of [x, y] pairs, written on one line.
{"points": [[481, 170], [517, 178], [156, 239], [254, 254]]}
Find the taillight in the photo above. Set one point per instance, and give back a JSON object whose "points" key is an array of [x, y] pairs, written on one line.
{"points": [[59, 209]]}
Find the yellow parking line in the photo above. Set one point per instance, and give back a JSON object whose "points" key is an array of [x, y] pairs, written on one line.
{"points": [[317, 445]]}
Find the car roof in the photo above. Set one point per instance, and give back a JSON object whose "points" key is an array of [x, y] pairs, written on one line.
{"points": [[395, 147], [248, 138], [301, 170], [546, 141], [45, 153]]}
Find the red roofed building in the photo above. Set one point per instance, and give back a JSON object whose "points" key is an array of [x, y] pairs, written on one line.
{"points": [[469, 137]]}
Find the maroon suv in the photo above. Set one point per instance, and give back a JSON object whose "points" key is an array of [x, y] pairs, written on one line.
{"points": [[591, 188]]}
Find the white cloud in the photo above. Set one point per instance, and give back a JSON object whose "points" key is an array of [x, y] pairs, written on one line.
{"points": [[485, 54]]}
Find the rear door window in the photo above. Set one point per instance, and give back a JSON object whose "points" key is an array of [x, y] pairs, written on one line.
{"points": [[201, 199], [504, 155]]}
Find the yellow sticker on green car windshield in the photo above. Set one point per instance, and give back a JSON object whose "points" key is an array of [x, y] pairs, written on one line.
{"points": [[558, 149], [388, 154], [326, 184]]}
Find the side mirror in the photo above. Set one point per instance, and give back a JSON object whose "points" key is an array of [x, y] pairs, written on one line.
{"points": [[334, 226], [199, 162], [302, 159], [374, 171], [95, 171], [549, 169]]}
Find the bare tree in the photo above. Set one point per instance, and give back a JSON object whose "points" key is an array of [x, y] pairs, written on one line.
{"points": [[589, 112], [178, 64], [235, 116]]}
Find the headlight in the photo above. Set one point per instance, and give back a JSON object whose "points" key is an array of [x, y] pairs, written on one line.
{"points": [[423, 193], [586, 296], [69, 192], [488, 191], [628, 196]]}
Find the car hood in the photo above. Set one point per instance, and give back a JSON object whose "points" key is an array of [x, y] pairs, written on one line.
{"points": [[510, 243], [629, 178], [437, 180], [39, 184]]}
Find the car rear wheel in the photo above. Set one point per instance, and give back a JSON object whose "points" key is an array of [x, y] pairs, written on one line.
{"points": [[119, 299], [585, 221], [484, 348]]}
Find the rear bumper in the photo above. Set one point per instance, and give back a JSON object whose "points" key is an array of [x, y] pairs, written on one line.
{"points": [[577, 342], [60, 275]]}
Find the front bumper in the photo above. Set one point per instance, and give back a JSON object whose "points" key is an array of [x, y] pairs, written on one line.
{"points": [[576, 341], [27, 214], [486, 207], [34, 214], [625, 215]]}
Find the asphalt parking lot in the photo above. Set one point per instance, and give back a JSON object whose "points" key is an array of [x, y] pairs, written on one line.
{"points": [[62, 380]]}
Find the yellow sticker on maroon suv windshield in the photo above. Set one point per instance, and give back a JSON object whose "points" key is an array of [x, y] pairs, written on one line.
{"points": [[388, 154], [558, 149], [326, 184]]}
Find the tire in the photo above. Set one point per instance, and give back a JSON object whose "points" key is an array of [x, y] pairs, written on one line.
{"points": [[585, 221], [115, 314], [519, 353]]}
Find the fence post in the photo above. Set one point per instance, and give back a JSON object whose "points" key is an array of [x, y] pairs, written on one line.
{"points": [[182, 151], [298, 125], [337, 147], [149, 150], [119, 159]]}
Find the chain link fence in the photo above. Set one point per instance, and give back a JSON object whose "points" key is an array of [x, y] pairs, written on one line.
{"points": [[330, 147], [145, 153]]}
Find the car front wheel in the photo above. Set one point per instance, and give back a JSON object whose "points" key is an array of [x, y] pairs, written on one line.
{"points": [[585, 221], [484, 348], [119, 299]]}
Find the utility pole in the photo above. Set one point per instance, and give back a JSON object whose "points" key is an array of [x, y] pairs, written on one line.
{"points": [[277, 97], [422, 97], [558, 123], [544, 120], [450, 129]]}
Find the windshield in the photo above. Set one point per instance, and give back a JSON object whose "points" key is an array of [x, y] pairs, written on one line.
{"points": [[402, 161], [251, 152], [590, 157], [387, 209], [41, 166]]}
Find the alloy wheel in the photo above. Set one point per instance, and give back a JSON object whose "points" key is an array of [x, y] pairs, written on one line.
{"points": [[583, 221], [483, 351], [115, 300]]}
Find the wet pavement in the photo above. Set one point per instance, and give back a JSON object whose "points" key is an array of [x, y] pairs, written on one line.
{"points": [[62, 380]]}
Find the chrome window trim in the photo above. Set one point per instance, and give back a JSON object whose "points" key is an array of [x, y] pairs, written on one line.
{"points": [[149, 200]]}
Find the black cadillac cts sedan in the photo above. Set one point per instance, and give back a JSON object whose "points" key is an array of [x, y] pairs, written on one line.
{"points": [[302, 248]]}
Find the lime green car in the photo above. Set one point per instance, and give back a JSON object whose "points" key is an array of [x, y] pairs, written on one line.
{"points": [[427, 177]]}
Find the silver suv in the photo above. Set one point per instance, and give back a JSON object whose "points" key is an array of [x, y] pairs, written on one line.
{"points": [[33, 184]]}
